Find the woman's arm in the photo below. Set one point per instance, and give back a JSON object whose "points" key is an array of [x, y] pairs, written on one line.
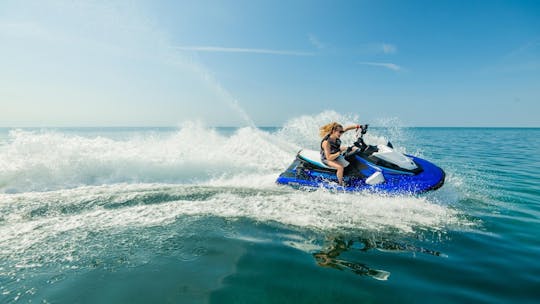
{"points": [[351, 127]]}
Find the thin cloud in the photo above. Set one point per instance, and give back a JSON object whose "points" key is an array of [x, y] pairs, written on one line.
{"points": [[217, 49], [523, 58], [530, 47], [315, 41], [25, 29], [388, 48], [388, 65]]}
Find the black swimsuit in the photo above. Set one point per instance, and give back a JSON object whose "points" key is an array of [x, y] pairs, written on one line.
{"points": [[335, 146]]}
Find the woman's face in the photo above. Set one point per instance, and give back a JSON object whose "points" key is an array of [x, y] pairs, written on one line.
{"points": [[338, 131]]}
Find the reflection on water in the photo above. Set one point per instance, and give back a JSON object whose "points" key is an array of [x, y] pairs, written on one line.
{"points": [[329, 257]]}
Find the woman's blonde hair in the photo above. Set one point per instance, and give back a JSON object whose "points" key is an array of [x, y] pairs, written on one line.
{"points": [[329, 128]]}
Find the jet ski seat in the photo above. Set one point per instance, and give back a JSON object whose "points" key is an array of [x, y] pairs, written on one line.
{"points": [[313, 157]]}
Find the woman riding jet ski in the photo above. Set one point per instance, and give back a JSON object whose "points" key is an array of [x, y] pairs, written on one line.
{"points": [[375, 168]]}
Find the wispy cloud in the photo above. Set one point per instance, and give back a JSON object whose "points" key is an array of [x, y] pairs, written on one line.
{"points": [[25, 29], [527, 49], [218, 49], [315, 41], [526, 57], [380, 48], [388, 48], [387, 65]]}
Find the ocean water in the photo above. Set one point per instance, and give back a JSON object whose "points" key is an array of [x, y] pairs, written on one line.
{"points": [[192, 215]]}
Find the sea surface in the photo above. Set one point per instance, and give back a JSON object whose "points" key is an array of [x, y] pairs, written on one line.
{"points": [[192, 214]]}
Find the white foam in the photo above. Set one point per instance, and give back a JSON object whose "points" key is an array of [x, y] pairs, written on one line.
{"points": [[49, 160], [24, 227], [304, 130]]}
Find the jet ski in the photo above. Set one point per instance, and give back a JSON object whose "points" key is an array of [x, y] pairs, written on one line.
{"points": [[377, 168]]}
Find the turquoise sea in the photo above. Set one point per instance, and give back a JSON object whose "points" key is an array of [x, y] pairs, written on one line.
{"points": [[192, 215]]}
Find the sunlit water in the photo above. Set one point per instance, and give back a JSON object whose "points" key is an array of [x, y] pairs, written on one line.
{"points": [[193, 214]]}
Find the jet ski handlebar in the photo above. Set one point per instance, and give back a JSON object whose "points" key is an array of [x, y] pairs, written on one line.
{"points": [[359, 143], [363, 129]]}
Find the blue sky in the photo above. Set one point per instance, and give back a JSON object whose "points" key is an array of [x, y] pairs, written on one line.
{"points": [[225, 63]]}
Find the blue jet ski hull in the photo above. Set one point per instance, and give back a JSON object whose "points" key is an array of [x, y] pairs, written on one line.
{"points": [[302, 174]]}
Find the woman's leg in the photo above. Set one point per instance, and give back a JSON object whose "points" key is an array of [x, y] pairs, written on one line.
{"points": [[339, 167]]}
